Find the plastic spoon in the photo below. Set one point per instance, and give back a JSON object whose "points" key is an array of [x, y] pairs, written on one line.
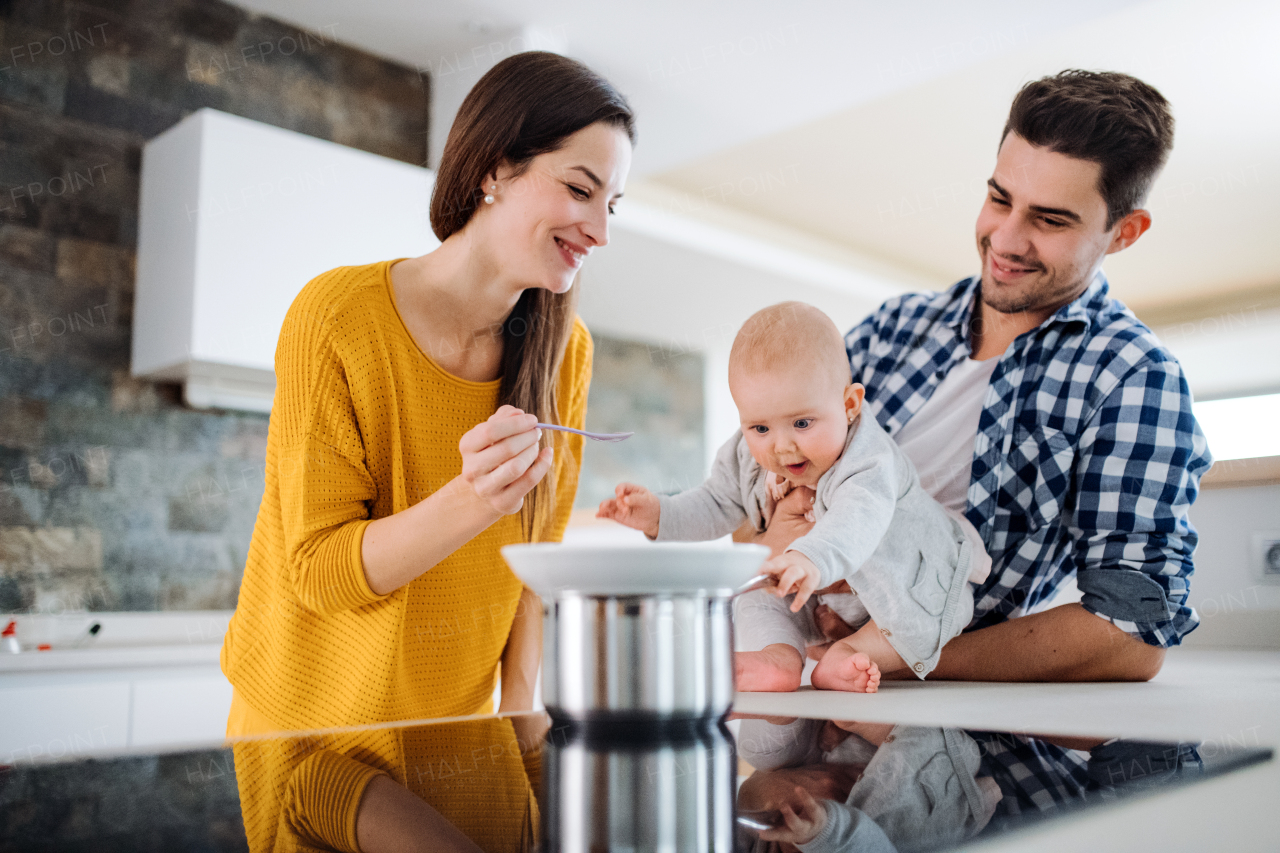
{"points": [[597, 436]]}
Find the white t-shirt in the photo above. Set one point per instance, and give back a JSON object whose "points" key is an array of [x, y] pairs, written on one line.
{"points": [[939, 438], [939, 442]]}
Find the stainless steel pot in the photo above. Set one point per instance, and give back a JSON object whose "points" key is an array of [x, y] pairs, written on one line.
{"points": [[646, 633]]}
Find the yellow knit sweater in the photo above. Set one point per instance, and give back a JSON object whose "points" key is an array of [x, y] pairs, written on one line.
{"points": [[363, 426]]}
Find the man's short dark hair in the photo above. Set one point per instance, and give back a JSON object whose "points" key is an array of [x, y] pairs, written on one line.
{"points": [[1111, 119]]}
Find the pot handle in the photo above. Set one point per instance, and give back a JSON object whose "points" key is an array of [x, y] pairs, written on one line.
{"points": [[757, 582]]}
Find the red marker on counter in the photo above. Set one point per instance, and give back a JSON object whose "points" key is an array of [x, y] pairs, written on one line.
{"points": [[9, 637]]}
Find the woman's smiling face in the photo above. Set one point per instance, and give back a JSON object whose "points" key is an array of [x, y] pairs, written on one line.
{"points": [[545, 221]]}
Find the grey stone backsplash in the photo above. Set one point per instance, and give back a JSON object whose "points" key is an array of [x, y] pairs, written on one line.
{"points": [[658, 395], [114, 495]]}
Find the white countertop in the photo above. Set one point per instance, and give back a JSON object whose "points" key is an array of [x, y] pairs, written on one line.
{"points": [[108, 657], [124, 640]]}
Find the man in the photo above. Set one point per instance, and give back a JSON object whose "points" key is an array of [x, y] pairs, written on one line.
{"points": [[1042, 409]]}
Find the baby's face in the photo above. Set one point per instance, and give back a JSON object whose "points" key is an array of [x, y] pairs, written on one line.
{"points": [[795, 425]]}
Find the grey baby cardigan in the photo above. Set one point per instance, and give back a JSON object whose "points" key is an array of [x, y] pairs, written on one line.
{"points": [[869, 500]]}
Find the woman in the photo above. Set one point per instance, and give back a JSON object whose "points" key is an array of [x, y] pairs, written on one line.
{"points": [[374, 590]]}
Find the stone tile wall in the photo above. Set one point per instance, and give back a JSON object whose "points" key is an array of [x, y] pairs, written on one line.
{"points": [[655, 393], [113, 495]]}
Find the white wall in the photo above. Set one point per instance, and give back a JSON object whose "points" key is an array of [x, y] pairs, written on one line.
{"points": [[454, 73], [661, 291], [721, 413], [1237, 607], [1231, 354]]}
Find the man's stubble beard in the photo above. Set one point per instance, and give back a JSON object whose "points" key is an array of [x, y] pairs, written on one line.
{"points": [[1047, 293]]}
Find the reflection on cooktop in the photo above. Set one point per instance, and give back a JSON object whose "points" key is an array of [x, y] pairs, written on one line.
{"points": [[526, 783], [825, 785]]}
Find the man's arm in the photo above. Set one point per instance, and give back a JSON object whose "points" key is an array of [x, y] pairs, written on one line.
{"points": [[1137, 472], [1066, 643]]}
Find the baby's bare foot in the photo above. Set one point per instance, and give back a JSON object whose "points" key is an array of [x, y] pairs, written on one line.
{"points": [[775, 669], [842, 668]]}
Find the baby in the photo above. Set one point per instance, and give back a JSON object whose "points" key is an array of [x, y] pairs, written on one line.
{"points": [[918, 788], [907, 562]]}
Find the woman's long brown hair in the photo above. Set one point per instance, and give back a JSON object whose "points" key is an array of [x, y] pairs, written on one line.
{"points": [[526, 105]]}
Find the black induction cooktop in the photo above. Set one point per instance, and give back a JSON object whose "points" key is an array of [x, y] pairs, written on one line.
{"points": [[531, 782]]}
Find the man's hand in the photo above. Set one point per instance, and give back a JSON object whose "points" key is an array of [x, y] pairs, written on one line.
{"points": [[873, 733], [787, 524], [778, 486], [793, 572], [835, 732], [635, 506]]}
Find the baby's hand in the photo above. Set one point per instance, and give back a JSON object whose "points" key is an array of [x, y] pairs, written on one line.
{"points": [[778, 486], [802, 822], [635, 506], [794, 573]]}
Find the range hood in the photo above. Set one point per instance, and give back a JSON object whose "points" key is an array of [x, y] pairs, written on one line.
{"points": [[235, 217]]}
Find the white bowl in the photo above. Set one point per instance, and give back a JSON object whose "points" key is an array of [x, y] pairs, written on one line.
{"points": [[550, 569]]}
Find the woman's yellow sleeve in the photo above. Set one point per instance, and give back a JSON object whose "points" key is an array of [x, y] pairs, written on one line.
{"points": [[325, 488]]}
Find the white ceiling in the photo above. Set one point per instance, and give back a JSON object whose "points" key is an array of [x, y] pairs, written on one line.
{"points": [[710, 74], [903, 177], [871, 127]]}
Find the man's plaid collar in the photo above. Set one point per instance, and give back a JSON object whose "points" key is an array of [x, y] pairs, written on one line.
{"points": [[960, 302]]}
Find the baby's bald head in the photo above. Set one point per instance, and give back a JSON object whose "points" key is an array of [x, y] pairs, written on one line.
{"points": [[788, 336]]}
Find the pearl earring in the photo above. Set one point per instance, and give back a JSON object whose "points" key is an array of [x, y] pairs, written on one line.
{"points": [[489, 198]]}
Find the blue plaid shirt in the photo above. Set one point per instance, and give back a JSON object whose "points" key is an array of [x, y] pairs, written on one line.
{"points": [[1034, 775], [1038, 777], [1087, 456]]}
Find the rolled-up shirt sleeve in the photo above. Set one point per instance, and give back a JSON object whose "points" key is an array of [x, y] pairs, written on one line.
{"points": [[1137, 472]]}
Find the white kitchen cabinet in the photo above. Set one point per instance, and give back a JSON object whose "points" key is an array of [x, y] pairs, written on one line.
{"points": [[179, 709], [147, 681], [113, 704], [59, 720], [235, 216]]}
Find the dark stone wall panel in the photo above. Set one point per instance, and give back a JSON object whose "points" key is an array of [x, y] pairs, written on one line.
{"points": [[142, 503]]}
